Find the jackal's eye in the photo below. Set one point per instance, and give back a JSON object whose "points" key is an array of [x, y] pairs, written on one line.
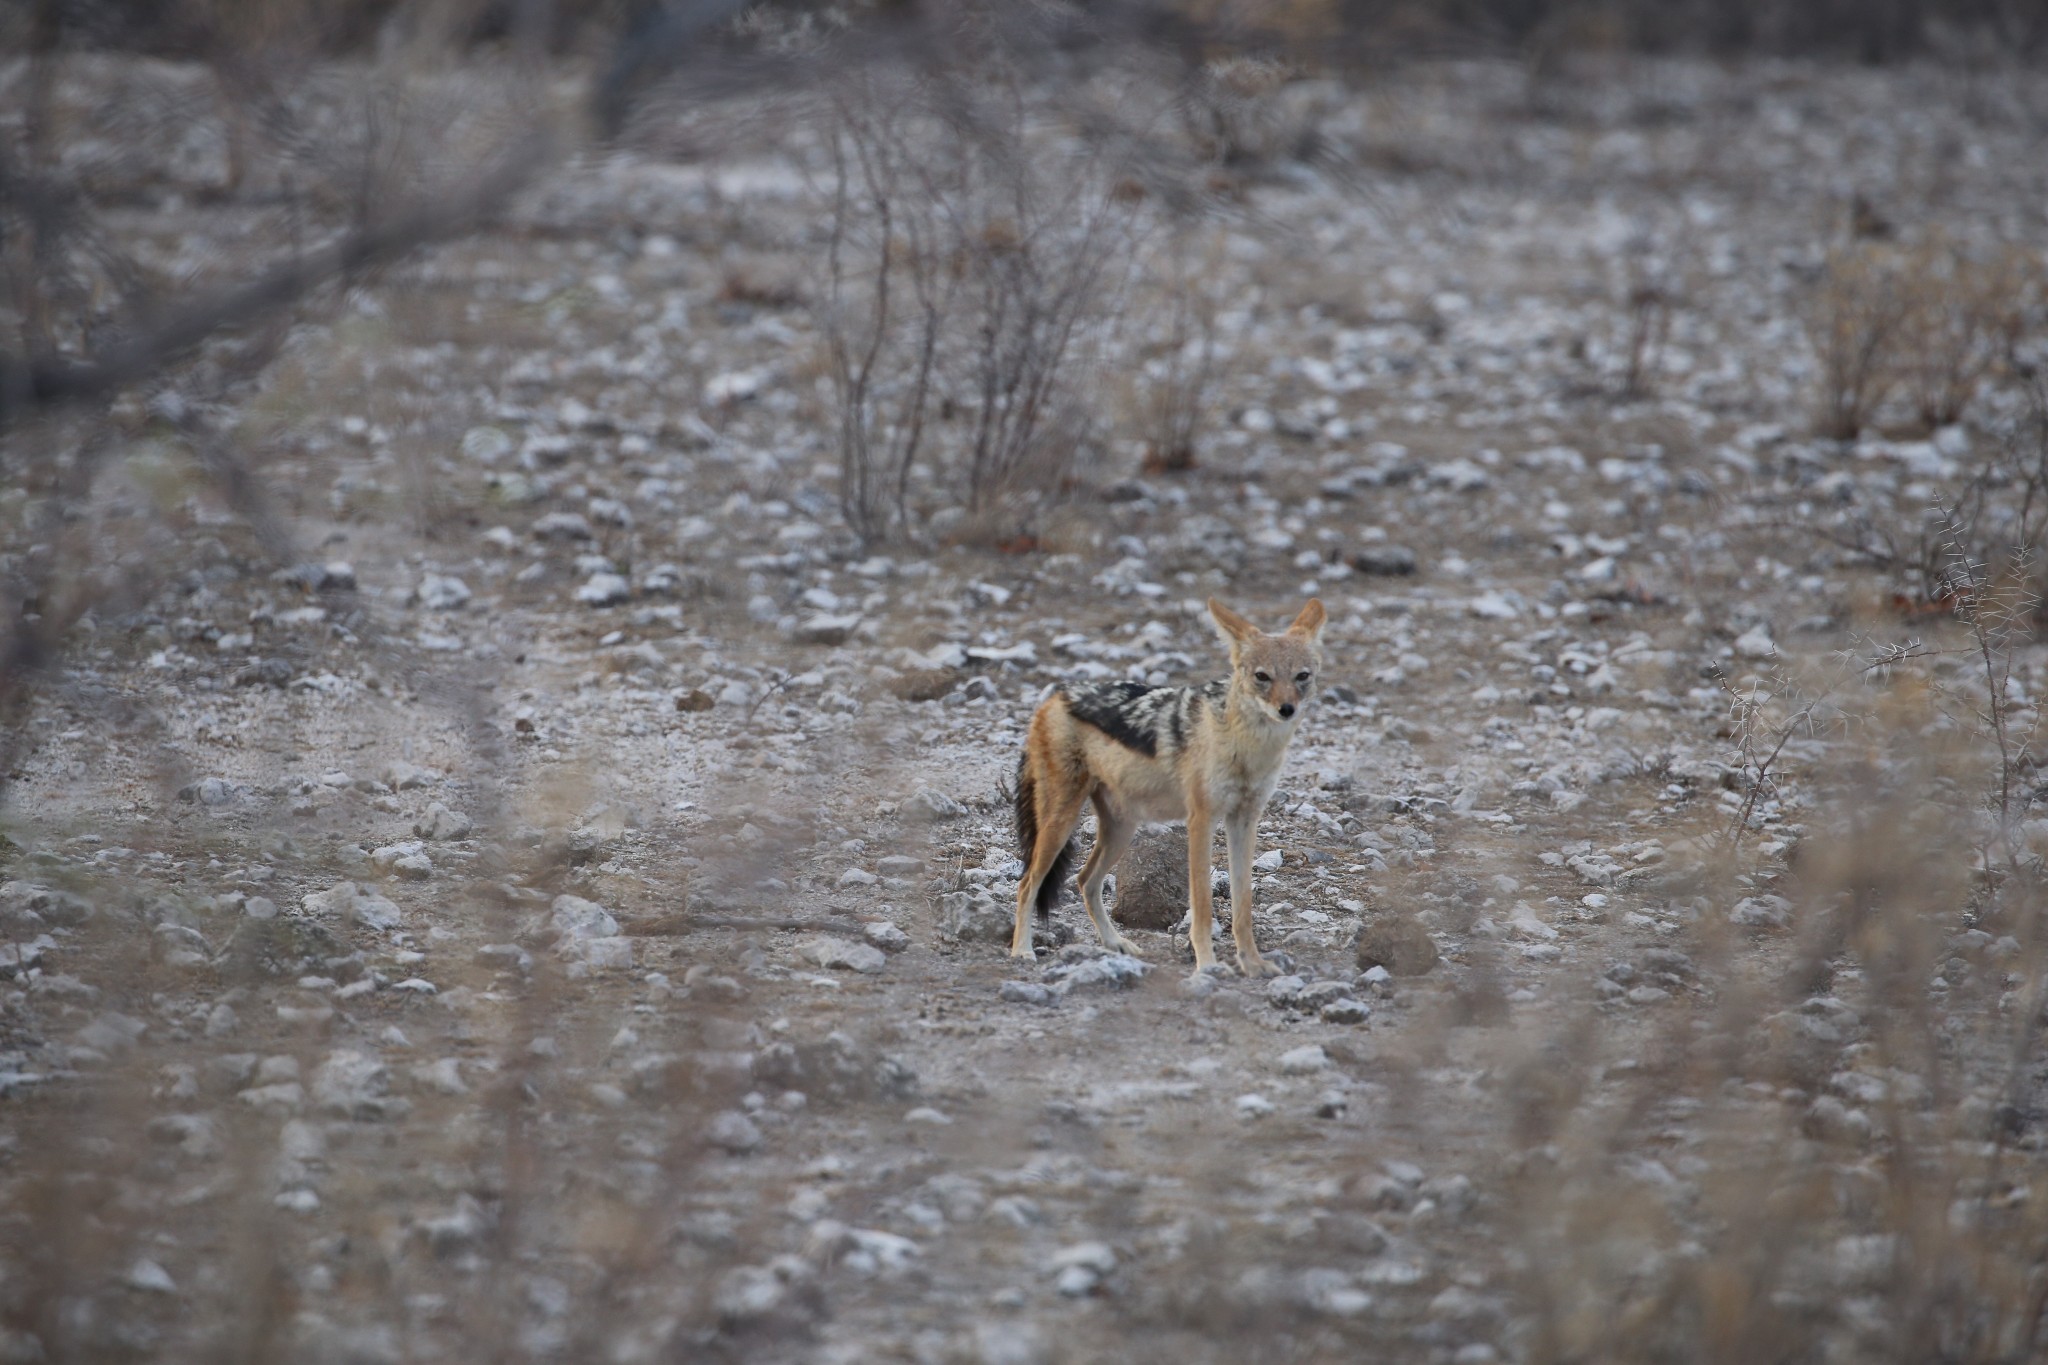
{"points": [[1262, 675], [1301, 677]]}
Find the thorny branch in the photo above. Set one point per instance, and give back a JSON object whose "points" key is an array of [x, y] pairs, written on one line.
{"points": [[1995, 613], [1758, 763], [34, 385]]}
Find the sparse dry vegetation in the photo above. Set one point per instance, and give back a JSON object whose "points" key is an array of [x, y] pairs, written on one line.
{"points": [[1180, 360], [1859, 326], [528, 543], [1929, 323], [974, 263], [1964, 324]]}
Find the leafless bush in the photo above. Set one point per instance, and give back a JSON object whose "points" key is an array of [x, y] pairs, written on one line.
{"points": [[1774, 711], [1858, 322], [974, 254], [2000, 602], [1967, 312], [1985, 525], [1183, 356], [1931, 320], [1988, 531]]}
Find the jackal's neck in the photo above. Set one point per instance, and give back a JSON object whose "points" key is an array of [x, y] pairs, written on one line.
{"points": [[1229, 700]]}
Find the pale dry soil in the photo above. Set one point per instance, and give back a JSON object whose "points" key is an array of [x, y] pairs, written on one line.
{"points": [[380, 1135]]}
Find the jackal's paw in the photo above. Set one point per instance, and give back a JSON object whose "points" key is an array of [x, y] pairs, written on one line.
{"points": [[1124, 945], [1025, 953], [1254, 965]]}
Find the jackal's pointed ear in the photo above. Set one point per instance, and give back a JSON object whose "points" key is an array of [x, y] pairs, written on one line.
{"points": [[1310, 622], [1234, 628]]}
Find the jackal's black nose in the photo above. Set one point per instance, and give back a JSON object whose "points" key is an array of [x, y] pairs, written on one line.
{"points": [[1287, 710]]}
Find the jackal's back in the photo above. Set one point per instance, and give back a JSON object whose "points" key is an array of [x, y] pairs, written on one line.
{"points": [[1157, 722]]}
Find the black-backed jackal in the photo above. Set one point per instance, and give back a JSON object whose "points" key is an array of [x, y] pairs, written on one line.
{"points": [[1165, 753]]}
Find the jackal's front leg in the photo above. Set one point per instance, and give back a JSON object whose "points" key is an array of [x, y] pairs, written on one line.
{"points": [[1201, 909], [1240, 834]]}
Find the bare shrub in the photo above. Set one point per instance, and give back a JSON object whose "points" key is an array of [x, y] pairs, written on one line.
{"points": [[883, 346], [1988, 531], [2000, 612], [1985, 524], [1967, 312], [1931, 322], [1858, 321], [1183, 354], [1773, 714], [975, 252]]}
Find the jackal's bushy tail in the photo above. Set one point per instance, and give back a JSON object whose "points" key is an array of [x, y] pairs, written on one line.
{"points": [[1027, 840]]}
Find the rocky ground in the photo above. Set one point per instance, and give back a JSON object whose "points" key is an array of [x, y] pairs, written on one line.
{"points": [[565, 918]]}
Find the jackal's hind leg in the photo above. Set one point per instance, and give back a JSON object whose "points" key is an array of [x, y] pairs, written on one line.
{"points": [[1057, 812], [1112, 838]]}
